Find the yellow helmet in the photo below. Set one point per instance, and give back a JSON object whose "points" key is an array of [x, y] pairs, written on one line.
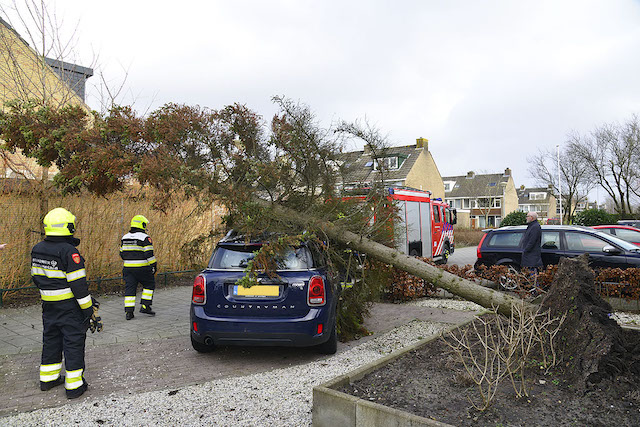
{"points": [[139, 221], [59, 222]]}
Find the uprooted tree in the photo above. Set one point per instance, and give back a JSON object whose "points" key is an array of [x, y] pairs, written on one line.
{"points": [[284, 178]]}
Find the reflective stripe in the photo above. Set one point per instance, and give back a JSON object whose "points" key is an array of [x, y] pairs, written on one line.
{"points": [[151, 260], [136, 263], [147, 248], [85, 302], [147, 294], [75, 275], [124, 248], [129, 301], [73, 379], [50, 372], [51, 274], [57, 295]]}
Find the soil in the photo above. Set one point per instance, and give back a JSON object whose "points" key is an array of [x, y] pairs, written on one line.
{"points": [[596, 381], [432, 383]]}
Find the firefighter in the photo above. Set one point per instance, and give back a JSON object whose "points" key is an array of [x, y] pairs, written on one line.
{"points": [[140, 266], [57, 269]]}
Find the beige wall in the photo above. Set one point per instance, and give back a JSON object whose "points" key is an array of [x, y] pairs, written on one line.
{"points": [[510, 200], [24, 75], [425, 175]]}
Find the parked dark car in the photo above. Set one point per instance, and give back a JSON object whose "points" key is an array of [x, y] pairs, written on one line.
{"points": [[502, 247], [298, 308], [624, 232]]}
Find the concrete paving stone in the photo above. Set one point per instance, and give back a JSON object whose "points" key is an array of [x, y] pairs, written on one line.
{"points": [[20, 341]]}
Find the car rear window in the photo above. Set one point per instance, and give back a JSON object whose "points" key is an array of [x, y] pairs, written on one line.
{"points": [[505, 240], [629, 235], [236, 257]]}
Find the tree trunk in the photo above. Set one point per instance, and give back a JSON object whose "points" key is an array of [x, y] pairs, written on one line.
{"points": [[463, 288]]}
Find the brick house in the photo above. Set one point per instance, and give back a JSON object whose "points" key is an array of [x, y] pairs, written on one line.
{"points": [[541, 200], [482, 200], [24, 74], [405, 166]]}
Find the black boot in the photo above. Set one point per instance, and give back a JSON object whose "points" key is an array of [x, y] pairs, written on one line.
{"points": [[147, 310], [129, 315], [44, 386], [74, 394]]}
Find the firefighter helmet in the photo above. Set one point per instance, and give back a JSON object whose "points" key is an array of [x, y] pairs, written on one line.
{"points": [[59, 222], [139, 221]]}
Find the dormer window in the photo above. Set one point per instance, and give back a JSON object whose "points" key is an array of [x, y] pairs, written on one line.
{"points": [[537, 196], [388, 163]]}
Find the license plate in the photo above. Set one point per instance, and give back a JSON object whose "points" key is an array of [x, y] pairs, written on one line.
{"points": [[257, 291]]}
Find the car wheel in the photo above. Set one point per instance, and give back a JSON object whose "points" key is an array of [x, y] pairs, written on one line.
{"points": [[509, 281], [331, 345], [200, 347]]}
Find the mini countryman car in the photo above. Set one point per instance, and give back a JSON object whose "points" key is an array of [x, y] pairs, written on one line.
{"points": [[502, 247], [298, 308]]}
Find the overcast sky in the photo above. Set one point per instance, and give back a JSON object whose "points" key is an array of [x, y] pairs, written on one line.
{"points": [[487, 82]]}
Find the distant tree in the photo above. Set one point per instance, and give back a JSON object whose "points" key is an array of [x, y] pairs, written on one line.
{"points": [[514, 218], [590, 217], [612, 155], [575, 176]]}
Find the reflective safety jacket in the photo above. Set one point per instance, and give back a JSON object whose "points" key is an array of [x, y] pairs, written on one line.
{"points": [[136, 249], [57, 269]]}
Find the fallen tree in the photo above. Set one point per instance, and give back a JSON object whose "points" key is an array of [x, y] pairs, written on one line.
{"points": [[463, 288]]}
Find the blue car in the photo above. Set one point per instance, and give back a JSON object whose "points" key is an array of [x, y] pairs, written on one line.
{"points": [[297, 308]]}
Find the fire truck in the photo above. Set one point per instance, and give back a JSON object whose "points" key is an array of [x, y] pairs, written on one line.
{"points": [[426, 224]]}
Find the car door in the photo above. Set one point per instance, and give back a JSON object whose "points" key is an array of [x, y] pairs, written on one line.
{"points": [[578, 242], [550, 247]]}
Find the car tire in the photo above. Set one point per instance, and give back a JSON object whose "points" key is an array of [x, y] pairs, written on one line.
{"points": [[201, 347], [331, 345]]}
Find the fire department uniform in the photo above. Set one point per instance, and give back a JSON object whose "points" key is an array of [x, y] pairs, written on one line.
{"points": [[57, 269], [136, 250]]}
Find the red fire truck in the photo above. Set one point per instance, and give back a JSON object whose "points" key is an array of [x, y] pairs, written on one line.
{"points": [[425, 228]]}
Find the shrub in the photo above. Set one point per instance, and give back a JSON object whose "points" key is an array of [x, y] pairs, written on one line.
{"points": [[591, 217], [514, 218]]}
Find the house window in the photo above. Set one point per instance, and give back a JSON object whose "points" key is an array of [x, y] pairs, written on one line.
{"points": [[386, 163], [537, 196], [447, 186], [466, 204], [497, 203]]}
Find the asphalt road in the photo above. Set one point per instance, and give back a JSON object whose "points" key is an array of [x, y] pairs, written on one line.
{"points": [[464, 256]]}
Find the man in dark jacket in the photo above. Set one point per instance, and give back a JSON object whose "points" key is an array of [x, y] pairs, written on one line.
{"points": [[57, 269], [531, 253]]}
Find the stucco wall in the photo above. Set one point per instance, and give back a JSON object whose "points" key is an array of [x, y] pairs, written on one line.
{"points": [[510, 202], [425, 175]]}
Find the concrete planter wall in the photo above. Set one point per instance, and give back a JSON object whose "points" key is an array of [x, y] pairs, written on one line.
{"points": [[332, 408]]}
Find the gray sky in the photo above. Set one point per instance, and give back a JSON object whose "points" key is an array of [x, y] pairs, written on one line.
{"points": [[487, 82]]}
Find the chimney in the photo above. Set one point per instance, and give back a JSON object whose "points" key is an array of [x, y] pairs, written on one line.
{"points": [[422, 143], [470, 174], [522, 187], [507, 172], [367, 149]]}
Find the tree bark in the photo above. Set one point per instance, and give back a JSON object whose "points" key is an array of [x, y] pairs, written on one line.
{"points": [[463, 288]]}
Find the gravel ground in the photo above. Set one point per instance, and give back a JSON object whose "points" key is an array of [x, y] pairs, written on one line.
{"points": [[281, 397]]}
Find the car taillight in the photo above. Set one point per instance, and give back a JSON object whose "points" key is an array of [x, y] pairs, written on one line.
{"points": [[316, 294], [479, 252], [198, 294]]}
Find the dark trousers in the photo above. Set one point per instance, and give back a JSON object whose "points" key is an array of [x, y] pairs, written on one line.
{"points": [[64, 332], [133, 276]]}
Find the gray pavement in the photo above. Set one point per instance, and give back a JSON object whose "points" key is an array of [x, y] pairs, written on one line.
{"points": [[464, 256], [154, 353]]}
